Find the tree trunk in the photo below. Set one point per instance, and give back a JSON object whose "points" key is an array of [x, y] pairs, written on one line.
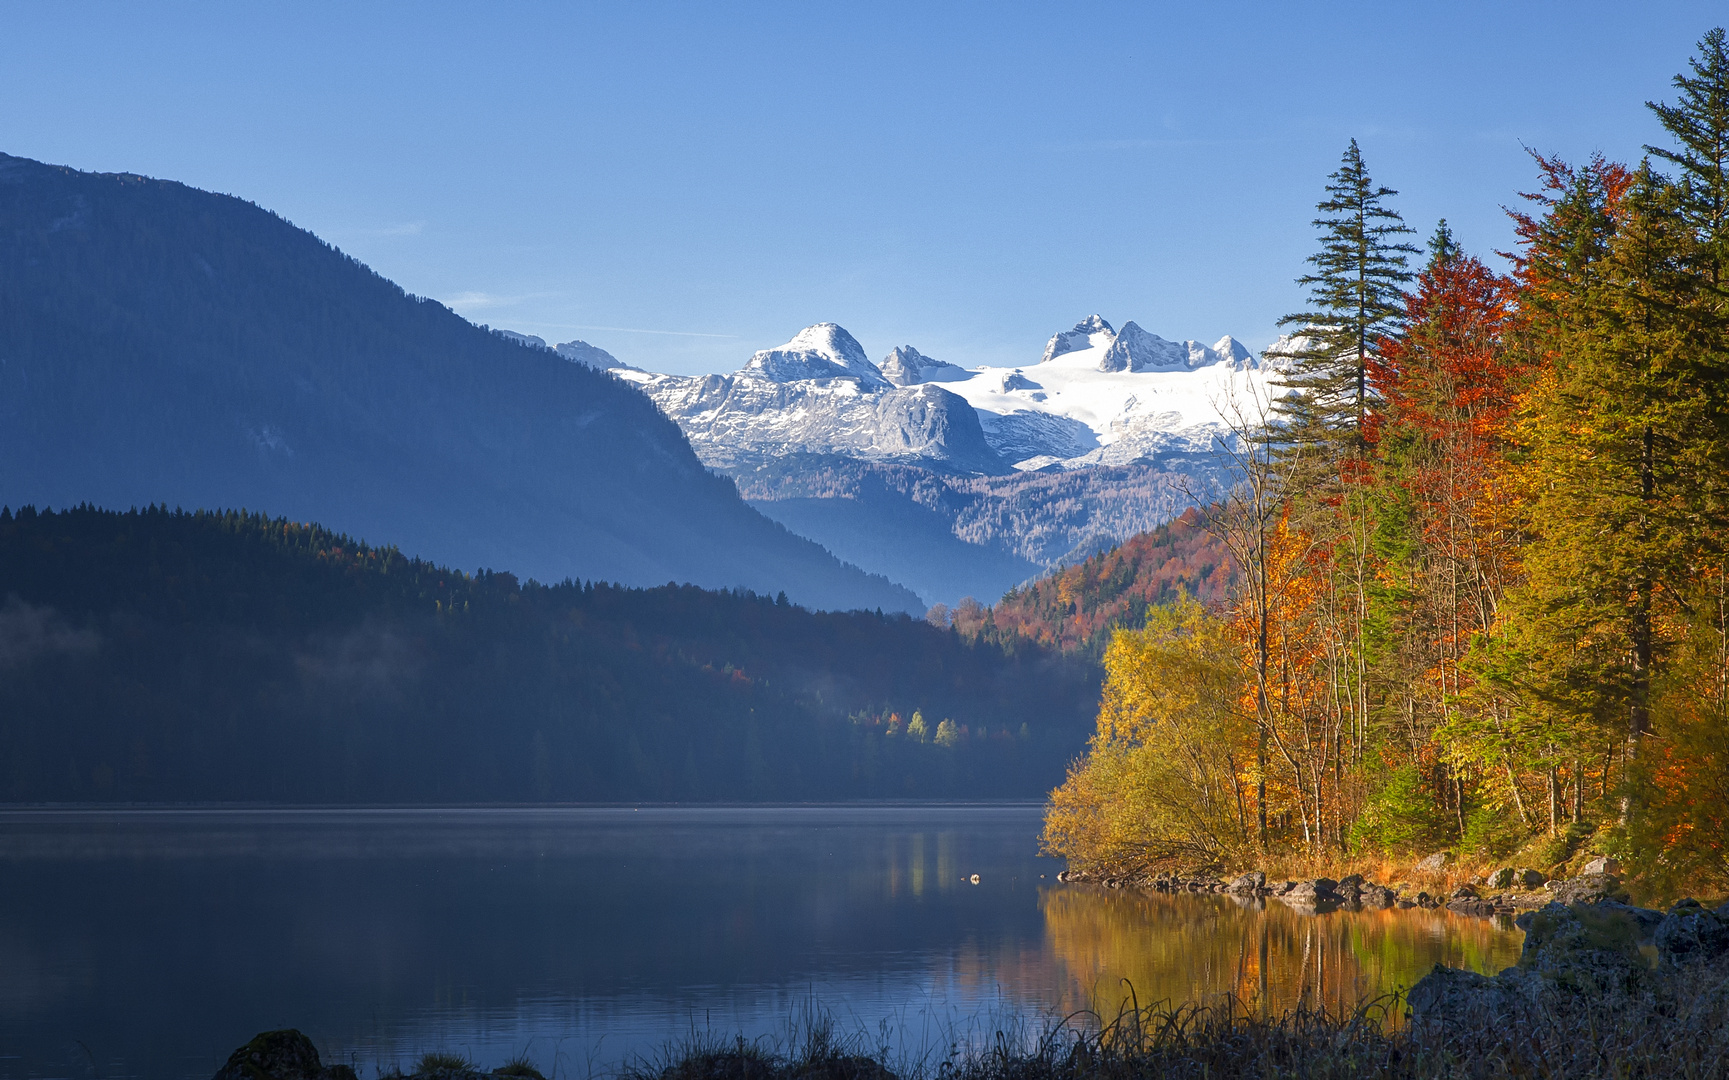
{"points": [[1639, 707], [1555, 800]]}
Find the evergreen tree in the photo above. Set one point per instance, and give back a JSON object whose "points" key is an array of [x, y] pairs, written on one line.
{"points": [[1614, 436], [1699, 121], [1356, 297], [1443, 249]]}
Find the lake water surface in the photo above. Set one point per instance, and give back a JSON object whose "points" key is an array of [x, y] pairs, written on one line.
{"points": [[152, 943]]}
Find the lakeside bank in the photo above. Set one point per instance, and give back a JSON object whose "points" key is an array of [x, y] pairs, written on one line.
{"points": [[1504, 891], [1600, 990]]}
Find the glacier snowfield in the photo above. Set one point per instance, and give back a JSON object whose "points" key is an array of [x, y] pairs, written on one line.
{"points": [[1097, 396]]}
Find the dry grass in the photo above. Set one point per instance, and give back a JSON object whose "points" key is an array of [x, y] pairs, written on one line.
{"points": [[1679, 1029]]}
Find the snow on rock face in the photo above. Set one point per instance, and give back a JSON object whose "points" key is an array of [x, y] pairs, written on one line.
{"points": [[818, 394], [1136, 350], [906, 366], [1081, 337], [1233, 352], [823, 351], [1098, 397], [1026, 434], [1136, 396]]}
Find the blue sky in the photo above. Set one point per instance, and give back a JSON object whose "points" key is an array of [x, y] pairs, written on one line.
{"points": [[685, 183]]}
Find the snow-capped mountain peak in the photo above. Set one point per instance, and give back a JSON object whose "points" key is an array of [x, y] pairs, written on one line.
{"points": [[1098, 397], [1234, 353], [1136, 350], [823, 351], [906, 366], [1085, 335]]}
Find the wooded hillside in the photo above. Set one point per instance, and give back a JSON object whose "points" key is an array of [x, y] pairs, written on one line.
{"points": [[1077, 608], [166, 656]]}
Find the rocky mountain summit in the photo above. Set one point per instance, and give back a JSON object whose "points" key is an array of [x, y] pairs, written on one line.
{"points": [[1097, 396], [820, 394], [580, 351], [906, 366], [807, 429]]}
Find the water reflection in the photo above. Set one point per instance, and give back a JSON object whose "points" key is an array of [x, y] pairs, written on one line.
{"points": [[151, 944], [1114, 946]]}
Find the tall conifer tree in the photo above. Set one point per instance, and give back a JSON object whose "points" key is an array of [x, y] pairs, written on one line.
{"points": [[1699, 124], [1699, 121], [1356, 296]]}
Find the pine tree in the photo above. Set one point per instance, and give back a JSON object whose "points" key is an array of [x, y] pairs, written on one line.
{"points": [[1356, 297], [1323, 432], [1612, 434], [1700, 124]]}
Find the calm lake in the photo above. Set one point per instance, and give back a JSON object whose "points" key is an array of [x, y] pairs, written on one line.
{"points": [[152, 943]]}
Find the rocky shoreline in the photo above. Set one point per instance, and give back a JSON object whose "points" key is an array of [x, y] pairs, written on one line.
{"points": [[1505, 891], [1595, 950]]}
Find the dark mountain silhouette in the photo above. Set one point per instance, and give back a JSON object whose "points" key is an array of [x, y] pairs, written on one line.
{"points": [[161, 344]]}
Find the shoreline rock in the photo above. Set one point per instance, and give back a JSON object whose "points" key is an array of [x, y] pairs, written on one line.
{"points": [[280, 1055], [1506, 891], [1580, 949], [290, 1055]]}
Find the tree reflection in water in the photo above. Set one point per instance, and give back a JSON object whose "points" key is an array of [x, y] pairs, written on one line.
{"points": [[1117, 947]]}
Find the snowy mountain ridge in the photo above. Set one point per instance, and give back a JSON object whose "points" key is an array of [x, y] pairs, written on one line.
{"points": [[963, 481], [817, 353], [1097, 396]]}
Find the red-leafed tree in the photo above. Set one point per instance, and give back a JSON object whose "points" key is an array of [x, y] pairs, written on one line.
{"points": [[1447, 540]]}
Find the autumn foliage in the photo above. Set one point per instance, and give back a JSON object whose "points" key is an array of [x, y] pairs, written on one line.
{"points": [[1480, 597], [1080, 606]]}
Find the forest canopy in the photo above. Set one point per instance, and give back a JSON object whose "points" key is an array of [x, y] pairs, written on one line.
{"points": [[159, 655], [1480, 598]]}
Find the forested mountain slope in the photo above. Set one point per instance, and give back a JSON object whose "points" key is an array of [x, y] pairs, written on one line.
{"points": [[949, 536], [160, 344], [163, 656], [1077, 608]]}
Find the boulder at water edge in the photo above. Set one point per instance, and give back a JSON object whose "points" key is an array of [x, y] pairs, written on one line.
{"points": [[1316, 893], [1378, 896], [1253, 881], [1589, 889], [1585, 949], [1690, 935], [280, 1055]]}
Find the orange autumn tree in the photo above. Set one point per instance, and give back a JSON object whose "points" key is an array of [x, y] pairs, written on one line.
{"points": [[1297, 706]]}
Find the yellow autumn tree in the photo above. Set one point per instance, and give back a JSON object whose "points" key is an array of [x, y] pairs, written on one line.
{"points": [[1167, 779]]}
